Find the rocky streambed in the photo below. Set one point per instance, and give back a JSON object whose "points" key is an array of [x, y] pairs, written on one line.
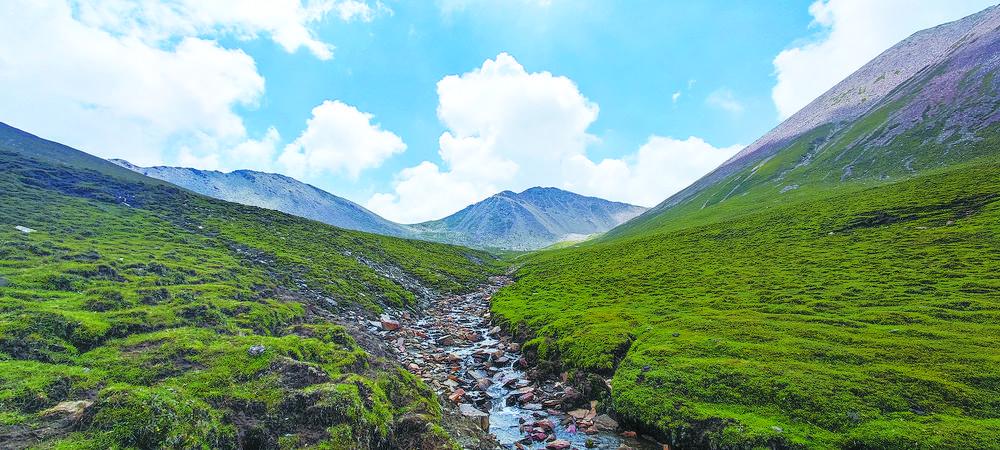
{"points": [[455, 348]]}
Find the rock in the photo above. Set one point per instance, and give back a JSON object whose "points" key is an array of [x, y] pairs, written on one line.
{"points": [[256, 350], [24, 230], [495, 330], [3, 282], [629, 434], [457, 395], [578, 414], [470, 411], [514, 346], [558, 444], [545, 424], [71, 409], [604, 422], [532, 406], [388, 324]]}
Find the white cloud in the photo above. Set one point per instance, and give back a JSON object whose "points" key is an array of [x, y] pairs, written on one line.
{"points": [[142, 80], [339, 138], [724, 99], [661, 167], [511, 129], [851, 33], [676, 96]]}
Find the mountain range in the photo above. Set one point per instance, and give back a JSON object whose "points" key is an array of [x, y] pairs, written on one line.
{"points": [[533, 219]]}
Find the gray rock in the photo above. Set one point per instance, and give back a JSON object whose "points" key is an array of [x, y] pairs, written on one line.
{"points": [[604, 422], [256, 350]]}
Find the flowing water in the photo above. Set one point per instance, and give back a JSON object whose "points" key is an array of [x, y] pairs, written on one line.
{"points": [[456, 347]]}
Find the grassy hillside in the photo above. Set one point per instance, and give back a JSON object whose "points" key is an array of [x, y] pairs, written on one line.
{"points": [[144, 303], [858, 316]]}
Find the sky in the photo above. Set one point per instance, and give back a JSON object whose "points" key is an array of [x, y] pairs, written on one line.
{"points": [[415, 109]]}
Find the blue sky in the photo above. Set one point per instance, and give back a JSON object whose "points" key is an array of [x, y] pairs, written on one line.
{"points": [[415, 109]]}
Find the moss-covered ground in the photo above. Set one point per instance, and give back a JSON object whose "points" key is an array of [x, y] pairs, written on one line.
{"points": [[145, 301], [843, 315]]}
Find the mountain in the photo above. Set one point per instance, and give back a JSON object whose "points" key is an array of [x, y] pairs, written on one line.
{"points": [[900, 113], [136, 314], [273, 191], [833, 285], [533, 219]]}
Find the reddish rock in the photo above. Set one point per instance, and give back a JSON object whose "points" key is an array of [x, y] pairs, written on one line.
{"points": [[389, 324], [558, 444], [457, 395], [629, 434]]}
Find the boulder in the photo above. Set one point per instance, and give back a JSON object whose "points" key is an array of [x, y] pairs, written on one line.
{"points": [[480, 417], [604, 422]]}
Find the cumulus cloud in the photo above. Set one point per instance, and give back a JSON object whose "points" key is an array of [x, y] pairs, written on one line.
{"points": [[661, 166], [508, 128], [339, 139], [724, 99], [675, 96], [851, 33], [143, 80]]}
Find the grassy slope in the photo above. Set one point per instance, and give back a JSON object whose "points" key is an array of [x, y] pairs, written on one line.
{"points": [[757, 326], [149, 310]]}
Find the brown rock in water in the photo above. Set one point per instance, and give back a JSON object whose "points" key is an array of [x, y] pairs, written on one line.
{"points": [[629, 434], [457, 395], [558, 444]]}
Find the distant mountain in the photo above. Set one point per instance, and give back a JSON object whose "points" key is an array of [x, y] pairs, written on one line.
{"points": [[533, 219], [273, 191], [915, 107]]}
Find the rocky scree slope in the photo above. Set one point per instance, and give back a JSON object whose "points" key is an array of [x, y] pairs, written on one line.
{"points": [[273, 191], [832, 289], [135, 314], [533, 219]]}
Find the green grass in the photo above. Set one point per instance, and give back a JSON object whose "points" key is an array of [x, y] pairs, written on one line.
{"points": [[144, 299], [848, 316]]}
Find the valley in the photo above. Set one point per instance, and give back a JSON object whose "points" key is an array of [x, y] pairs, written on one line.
{"points": [[834, 285]]}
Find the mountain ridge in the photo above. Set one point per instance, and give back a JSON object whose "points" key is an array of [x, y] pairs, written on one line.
{"points": [[879, 94], [274, 191], [544, 215], [534, 218]]}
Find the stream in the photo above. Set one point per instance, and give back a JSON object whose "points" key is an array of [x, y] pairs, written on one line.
{"points": [[457, 351]]}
